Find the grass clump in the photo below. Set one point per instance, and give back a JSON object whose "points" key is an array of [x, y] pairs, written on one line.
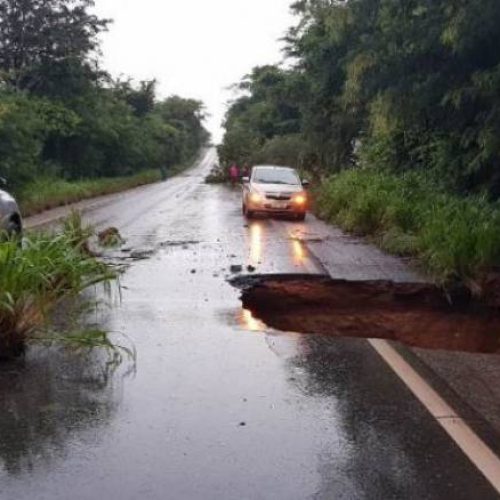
{"points": [[457, 239], [38, 276], [46, 193]]}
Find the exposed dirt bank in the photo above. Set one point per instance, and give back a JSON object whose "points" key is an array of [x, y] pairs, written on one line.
{"points": [[417, 314]]}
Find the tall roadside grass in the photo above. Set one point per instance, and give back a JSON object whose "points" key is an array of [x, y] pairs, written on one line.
{"points": [[45, 193], [41, 274], [456, 239]]}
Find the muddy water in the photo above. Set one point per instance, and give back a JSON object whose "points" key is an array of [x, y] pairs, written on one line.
{"points": [[414, 313]]}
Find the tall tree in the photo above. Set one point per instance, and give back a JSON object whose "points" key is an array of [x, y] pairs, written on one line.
{"points": [[46, 39], [394, 84]]}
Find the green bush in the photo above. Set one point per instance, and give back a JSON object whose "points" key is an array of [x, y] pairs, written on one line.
{"points": [[36, 277], [455, 238], [94, 136]]}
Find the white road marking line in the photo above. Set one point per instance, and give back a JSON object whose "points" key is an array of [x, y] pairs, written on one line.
{"points": [[473, 447]]}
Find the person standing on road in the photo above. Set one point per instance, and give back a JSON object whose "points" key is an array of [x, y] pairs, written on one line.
{"points": [[234, 174]]}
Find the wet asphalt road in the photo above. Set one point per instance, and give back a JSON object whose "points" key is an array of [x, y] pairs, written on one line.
{"points": [[216, 407]]}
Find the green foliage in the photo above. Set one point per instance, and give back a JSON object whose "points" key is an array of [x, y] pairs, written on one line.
{"points": [[142, 99], [114, 139], [402, 86], [239, 145], [401, 99], [47, 270], [62, 116], [48, 192], [76, 232], [282, 150], [44, 44], [25, 125], [455, 238], [266, 111]]}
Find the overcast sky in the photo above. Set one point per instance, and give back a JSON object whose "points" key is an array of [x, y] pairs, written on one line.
{"points": [[195, 48]]}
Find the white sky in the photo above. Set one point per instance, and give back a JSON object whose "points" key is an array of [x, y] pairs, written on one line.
{"points": [[195, 48]]}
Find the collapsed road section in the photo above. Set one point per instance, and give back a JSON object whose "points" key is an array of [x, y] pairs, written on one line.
{"points": [[416, 314]]}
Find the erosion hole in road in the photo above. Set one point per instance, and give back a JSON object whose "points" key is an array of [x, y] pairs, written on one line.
{"points": [[413, 313]]}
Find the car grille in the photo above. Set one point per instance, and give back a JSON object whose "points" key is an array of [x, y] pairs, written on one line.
{"points": [[279, 196]]}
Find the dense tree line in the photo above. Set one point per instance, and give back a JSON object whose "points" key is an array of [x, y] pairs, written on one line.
{"points": [[62, 115], [396, 85]]}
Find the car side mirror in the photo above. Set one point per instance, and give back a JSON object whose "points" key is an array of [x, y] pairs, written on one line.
{"points": [[245, 180], [305, 183]]}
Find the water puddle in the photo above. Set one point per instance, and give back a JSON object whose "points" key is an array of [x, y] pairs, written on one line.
{"points": [[50, 401], [416, 314]]}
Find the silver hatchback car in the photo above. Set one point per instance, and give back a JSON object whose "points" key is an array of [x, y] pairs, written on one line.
{"points": [[10, 215], [277, 190]]}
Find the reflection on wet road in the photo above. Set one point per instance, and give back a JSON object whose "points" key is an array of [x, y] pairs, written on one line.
{"points": [[248, 322], [51, 403], [255, 243], [298, 252], [218, 408]]}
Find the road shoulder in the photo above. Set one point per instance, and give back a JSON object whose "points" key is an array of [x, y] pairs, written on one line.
{"points": [[469, 382]]}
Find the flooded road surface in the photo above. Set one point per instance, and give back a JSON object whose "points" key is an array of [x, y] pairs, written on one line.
{"points": [[216, 406]]}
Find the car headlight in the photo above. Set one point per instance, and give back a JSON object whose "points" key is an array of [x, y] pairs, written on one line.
{"points": [[255, 197], [300, 199]]}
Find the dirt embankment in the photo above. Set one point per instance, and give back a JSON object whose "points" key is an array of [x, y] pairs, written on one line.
{"points": [[419, 315]]}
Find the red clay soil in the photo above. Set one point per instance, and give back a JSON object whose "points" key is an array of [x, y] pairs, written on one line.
{"points": [[418, 315]]}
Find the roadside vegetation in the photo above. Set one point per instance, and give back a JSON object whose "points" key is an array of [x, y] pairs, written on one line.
{"points": [[45, 193], [45, 272], [393, 108], [64, 118], [455, 238]]}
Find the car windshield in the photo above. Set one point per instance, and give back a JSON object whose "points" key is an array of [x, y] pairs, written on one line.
{"points": [[275, 176]]}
